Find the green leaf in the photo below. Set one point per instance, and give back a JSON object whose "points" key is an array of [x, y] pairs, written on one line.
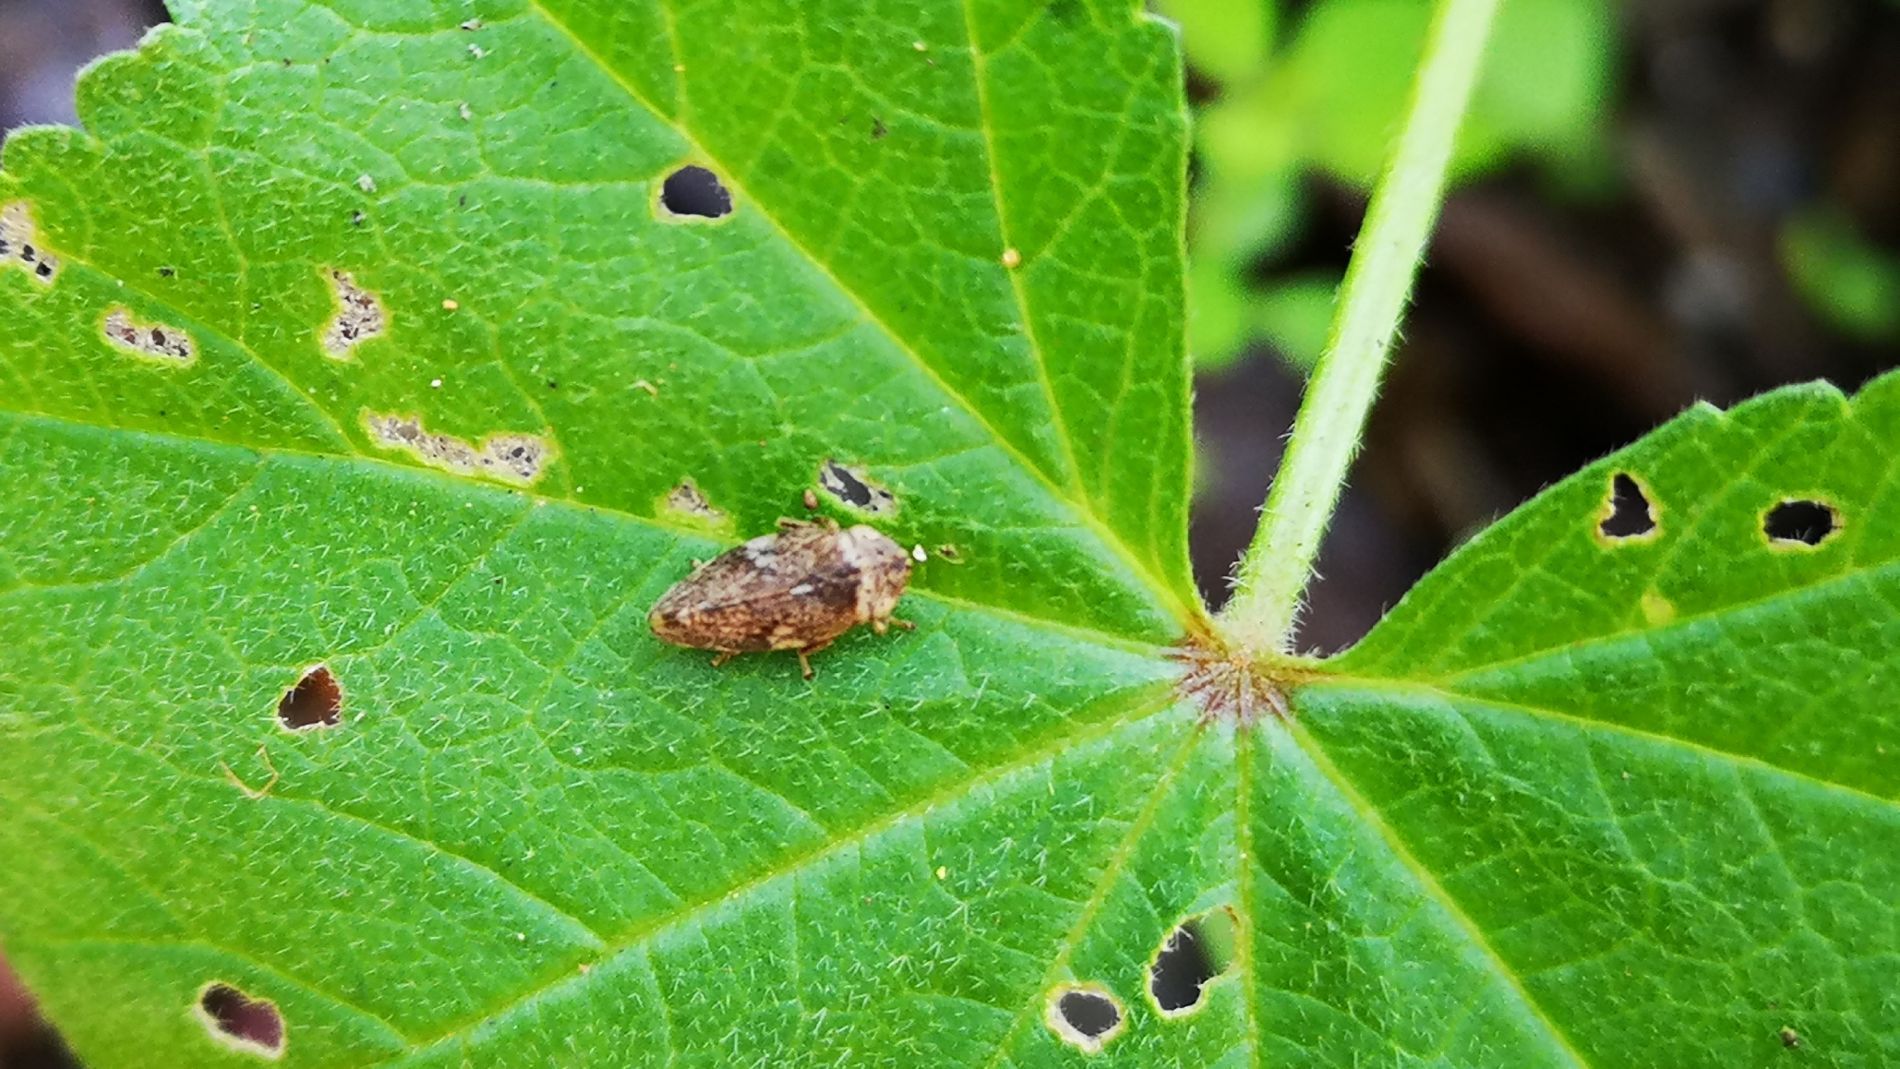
{"points": [[1645, 784], [537, 836], [855, 305]]}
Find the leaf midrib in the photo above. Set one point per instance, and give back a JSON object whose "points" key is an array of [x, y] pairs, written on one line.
{"points": [[1168, 599], [686, 915], [1422, 877], [1484, 671], [979, 69], [1454, 698], [1077, 632]]}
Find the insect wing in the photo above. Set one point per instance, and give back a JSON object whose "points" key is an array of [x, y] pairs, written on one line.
{"points": [[784, 591]]}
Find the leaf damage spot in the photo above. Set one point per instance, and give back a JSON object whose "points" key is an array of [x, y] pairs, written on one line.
{"points": [[160, 341], [315, 702], [1199, 949], [20, 243], [1805, 522], [514, 458], [238, 1021], [1085, 1016], [359, 317], [687, 502], [1627, 515], [253, 793], [852, 487], [1657, 610], [695, 192]]}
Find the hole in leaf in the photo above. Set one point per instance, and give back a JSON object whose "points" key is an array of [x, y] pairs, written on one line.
{"points": [[851, 486], [1627, 514], [696, 191], [240, 1021], [1084, 1016], [1193, 954], [315, 702], [1806, 522]]}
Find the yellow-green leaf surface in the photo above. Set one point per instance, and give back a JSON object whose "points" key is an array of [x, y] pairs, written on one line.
{"points": [[362, 335]]}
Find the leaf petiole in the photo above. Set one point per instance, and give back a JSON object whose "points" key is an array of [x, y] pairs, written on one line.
{"points": [[1272, 576]]}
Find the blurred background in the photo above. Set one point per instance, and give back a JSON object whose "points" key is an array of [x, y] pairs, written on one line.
{"points": [[1654, 203]]}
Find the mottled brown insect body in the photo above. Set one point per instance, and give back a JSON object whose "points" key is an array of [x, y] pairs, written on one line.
{"points": [[795, 590]]}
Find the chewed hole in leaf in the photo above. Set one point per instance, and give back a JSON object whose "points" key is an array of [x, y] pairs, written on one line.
{"points": [[241, 1022], [1804, 523], [1085, 1016], [852, 487], [1197, 951], [315, 702], [1627, 513], [694, 191]]}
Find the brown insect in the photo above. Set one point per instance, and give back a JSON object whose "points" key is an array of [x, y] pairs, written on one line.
{"points": [[798, 589]]}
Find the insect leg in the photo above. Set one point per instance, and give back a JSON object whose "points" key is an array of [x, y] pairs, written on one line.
{"points": [[804, 656]]}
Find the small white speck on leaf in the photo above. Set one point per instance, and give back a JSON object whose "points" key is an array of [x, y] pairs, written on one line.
{"points": [[642, 384], [450, 304], [917, 554], [477, 51], [467, 112], [366, 183], [1012, 258], [435, 384]]}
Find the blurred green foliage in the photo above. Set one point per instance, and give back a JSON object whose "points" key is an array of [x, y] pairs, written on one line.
{"points": [[1322, 91], [1853, 285]]}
